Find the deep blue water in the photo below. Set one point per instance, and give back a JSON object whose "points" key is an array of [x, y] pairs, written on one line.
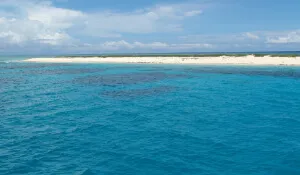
{"points": [[149, 119]]}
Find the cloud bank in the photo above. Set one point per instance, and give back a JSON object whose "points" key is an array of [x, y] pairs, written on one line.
{"points": [[40, 22], [38, 25]]}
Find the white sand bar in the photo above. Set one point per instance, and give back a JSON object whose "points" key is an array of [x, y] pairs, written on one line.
{"points": [[230, 60]]}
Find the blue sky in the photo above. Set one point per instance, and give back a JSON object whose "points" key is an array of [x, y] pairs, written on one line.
{"points": [[118, 26]]}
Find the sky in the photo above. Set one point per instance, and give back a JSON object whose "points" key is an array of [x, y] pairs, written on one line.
{"points": [[140, 26]]}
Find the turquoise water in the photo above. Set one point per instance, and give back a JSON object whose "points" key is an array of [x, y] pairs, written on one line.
{"points": [[149, 119], [14, 58]]}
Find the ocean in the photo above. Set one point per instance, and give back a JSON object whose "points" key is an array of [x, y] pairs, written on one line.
{"points": [[90, 119]]}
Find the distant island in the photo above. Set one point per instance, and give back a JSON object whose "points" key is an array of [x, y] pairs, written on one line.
{"points": [[209, 59], [283, 54]]}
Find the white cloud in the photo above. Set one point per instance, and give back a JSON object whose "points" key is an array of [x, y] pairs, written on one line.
{"points": [[38, 24], [153, 45], [254, 41], [52, 17], [40, 18], [53, 38], [193, 46], [256, 37], [193, 13], [251, 36], [233, 38], [11, 37], [284, 37], [117, 45], [216, 39], [166, 18], [35, 22], [41, 24], [22, 31]]}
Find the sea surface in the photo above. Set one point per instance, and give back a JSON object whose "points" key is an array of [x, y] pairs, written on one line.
{"points": [[90, 119]]}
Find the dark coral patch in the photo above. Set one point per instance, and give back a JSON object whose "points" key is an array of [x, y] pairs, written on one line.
{"points": [[247, 71], [126, 79]]}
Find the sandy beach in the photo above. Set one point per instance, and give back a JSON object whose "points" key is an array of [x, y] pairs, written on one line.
{"points": [[226, 60]]}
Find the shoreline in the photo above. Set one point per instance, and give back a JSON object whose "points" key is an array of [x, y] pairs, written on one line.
{"points": [[207, 60]]}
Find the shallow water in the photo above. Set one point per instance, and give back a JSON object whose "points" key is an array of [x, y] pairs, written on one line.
{"points": [[149, 119]]}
